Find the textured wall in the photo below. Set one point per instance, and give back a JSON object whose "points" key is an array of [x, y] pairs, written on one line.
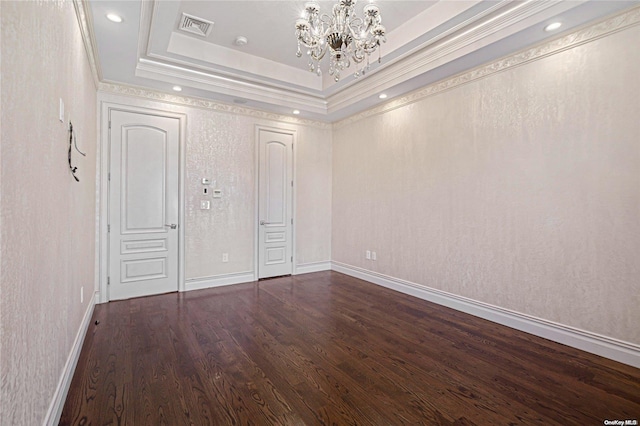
{"points": [[520, 189], [47, 225], [220, 146]]}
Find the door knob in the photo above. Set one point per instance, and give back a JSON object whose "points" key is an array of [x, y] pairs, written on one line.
{"points": [[263, 222], [172, 226]]}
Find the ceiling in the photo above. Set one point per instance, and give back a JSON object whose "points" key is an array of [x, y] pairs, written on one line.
{"points": [[426, 42]]}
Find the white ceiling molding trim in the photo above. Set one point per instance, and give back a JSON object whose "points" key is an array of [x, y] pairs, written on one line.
{"points": [[449, 46], [233, 87], [154, 95], [235, 75], [585, 34], [88, 39], [263, 69], [147, 13]]}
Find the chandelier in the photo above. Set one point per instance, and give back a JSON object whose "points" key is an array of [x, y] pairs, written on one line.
{"points": [[346, 37]]}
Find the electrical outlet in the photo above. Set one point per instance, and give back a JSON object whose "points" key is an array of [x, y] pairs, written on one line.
{"points": [[81, 294], [225, 257], [367, 254], [373, 256]]}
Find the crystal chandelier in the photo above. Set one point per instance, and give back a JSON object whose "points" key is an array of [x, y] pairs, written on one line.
{"points": [[346, 36]]}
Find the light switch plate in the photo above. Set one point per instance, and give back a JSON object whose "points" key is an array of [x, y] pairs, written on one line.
{"points": [[217, 193], [206, 181], [205, 205]]}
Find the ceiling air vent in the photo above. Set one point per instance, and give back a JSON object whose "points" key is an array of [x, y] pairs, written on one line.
{"points": [[194, 25]]}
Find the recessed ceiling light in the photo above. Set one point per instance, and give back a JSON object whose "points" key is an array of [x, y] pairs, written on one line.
{"points": [[553, 26], [241, 41], [114, 17], [296, 112], [177, 88], [382, 96]]}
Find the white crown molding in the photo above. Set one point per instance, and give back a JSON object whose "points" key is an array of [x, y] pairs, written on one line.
{"points": [[582, 36], [498, 22], [86, 30], [618, 350], [147, 14], [246, 66], [153, 95], [229, 86]]}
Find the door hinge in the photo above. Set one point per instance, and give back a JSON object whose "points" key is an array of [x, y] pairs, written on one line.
{"points": [[291, 259], [292, 221], [109, 176], [109, 124], [108, 228], [108, 280], [292, 184]]}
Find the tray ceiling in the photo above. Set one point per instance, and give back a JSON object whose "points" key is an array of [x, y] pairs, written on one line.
{"points": [[427, 41]]}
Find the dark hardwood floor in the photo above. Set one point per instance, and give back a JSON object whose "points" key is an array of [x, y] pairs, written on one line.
{"points": [[325, 348]]}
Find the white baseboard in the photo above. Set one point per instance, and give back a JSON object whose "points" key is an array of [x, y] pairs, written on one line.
{"points": [[60, 395], [307, 268], [219, 280], [618, 350]]}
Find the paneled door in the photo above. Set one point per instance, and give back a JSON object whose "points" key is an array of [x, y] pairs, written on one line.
{"points": [[143, 204], [275, 203]]}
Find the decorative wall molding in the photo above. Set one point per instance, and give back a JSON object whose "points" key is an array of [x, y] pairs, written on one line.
{"points": [[52, 417], [139, 92], [582, 36], [618, 350], [86, 30], [306, 268], [219, 280]]}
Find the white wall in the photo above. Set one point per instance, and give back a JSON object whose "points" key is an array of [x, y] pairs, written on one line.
{"points": [[47, 219], [520, 189], [220, 145]]}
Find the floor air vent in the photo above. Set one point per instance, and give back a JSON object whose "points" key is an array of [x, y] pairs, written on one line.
{"points": [[194, 25]]}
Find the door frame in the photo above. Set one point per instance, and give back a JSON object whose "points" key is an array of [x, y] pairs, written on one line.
{"points": [[256, 226], [103, 191]]}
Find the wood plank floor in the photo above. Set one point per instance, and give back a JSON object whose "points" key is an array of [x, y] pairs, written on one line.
{"points": [[325, 348]]}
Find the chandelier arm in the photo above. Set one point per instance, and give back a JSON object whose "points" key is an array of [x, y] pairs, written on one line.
{"points": [[319, 57], [325, 19]]}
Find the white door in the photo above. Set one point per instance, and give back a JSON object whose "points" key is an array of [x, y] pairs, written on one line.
{"points": [[275, 205], [143, 204]]}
